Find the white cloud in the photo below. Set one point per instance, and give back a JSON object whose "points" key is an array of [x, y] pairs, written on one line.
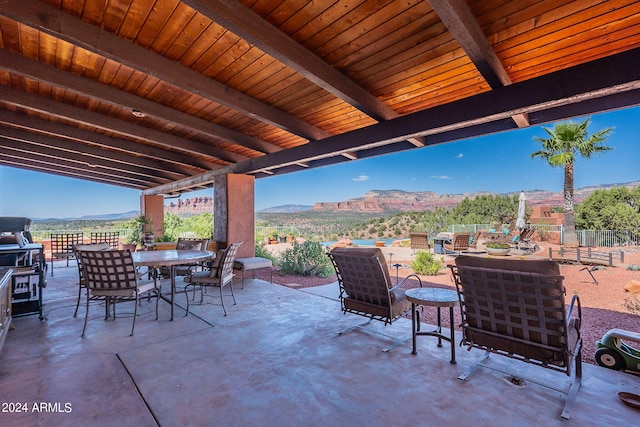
{"points": [[459, 156], [440, 176], [361, 178]]}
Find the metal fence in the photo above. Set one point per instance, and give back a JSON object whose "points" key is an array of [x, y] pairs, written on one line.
{"points": [[586, 238], [608, 238], [40, 235]]}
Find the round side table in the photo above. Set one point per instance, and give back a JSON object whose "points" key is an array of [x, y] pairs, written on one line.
{"points": [[433, 297]]}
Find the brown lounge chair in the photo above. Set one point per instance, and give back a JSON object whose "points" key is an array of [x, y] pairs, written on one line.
{"points": [[516, 308], [459, 243], [366, 288], [419, 241]]}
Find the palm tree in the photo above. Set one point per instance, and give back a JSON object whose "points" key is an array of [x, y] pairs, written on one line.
{"points": [[566, 141]]}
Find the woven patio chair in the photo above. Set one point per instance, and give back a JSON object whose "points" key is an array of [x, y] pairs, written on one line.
{"points": [[419, 241], [366, 288], [110, 276], [458, 243], [473, 243], [112, 238], [62, 246], [185, 244], [81, 279], [516, 308], [220, 275]]}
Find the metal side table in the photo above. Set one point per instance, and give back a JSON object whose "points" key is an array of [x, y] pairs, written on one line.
{"points": [[433, 297]]}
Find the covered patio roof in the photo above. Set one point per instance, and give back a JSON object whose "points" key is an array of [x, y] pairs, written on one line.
{"points": [[162, 96]]}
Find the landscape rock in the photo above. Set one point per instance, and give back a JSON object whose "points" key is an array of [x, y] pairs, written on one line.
{"points": [[633, 286], [343, 243]]}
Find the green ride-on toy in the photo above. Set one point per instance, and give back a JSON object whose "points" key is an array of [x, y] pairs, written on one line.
{"points": [[613, 353]]}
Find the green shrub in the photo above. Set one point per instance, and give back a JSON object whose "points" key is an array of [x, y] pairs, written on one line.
{"points": [[306, 259], [497, 246], [426, 264], [262, 252]]}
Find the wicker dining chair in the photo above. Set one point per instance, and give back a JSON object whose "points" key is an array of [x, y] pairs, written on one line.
{"points": [[185, 244], [111, 276], [220, 275], [366, 288], [516, 308], [62, 246], [81, 279], [112, 238]]}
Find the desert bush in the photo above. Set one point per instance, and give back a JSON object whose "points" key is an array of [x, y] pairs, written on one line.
{"points": [[262, 252], [306, 259], [633, 304], [426, 264]]}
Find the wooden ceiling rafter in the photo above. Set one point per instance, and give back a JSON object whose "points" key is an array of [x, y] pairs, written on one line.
{"points": [[612, 76], [99, 121], [458, 18], [85, 173], [145, 156], [77, 32], [20, 65], [25, 150], [274, 87]]}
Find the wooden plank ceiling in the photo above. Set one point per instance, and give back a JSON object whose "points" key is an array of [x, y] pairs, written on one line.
{"points": [[164, 95]]}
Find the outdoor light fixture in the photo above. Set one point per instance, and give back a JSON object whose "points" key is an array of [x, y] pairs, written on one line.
{"points": [[137, 113]]}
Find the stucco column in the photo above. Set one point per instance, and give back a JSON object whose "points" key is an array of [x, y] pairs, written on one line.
{"points": [[233, 212], [152, 208]]}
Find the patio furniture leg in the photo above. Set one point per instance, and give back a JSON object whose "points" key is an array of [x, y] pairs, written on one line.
{"points": [[351, 328], [575, 387], [222, 301], [474, 365], [135, 314], [86, 316], [78, 302]]}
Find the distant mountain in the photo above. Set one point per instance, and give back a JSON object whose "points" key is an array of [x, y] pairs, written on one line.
{"points": [[107, 217], [391, 201], [123, 215], [285, 209]]}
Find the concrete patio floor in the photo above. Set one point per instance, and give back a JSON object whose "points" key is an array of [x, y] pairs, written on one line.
{"points": [[275, 360]]}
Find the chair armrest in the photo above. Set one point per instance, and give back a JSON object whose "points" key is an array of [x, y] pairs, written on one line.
{"points": [[575, 302], [404, 280]]}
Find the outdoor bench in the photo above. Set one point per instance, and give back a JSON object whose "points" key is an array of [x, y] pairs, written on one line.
{"points": [[252, 264]]}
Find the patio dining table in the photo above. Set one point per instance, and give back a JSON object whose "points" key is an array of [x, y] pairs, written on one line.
{"points": [[170, 258]]}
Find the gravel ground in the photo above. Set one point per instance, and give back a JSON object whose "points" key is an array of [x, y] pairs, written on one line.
{"points": [[604, 305]]}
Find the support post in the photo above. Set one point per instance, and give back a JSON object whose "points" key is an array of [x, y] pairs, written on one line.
{"points": [[234, 212], [152, 208]]}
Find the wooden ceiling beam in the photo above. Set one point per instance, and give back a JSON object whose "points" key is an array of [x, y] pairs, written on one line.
{"points": [[57, 23], [457, 17], [248, 25], [31, 164], [48, 161], [149, 157], [20, 65], [96, 158], [109, 124], [611, 76]]}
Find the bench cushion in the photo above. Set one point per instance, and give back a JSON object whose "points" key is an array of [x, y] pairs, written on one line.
{"points": [[253, 263]]}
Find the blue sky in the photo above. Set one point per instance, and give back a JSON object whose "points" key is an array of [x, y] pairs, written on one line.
{"points": [[498, 163]]}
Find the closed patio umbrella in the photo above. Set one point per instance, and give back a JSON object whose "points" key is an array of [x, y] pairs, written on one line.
{"points": [[521, 211]]}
